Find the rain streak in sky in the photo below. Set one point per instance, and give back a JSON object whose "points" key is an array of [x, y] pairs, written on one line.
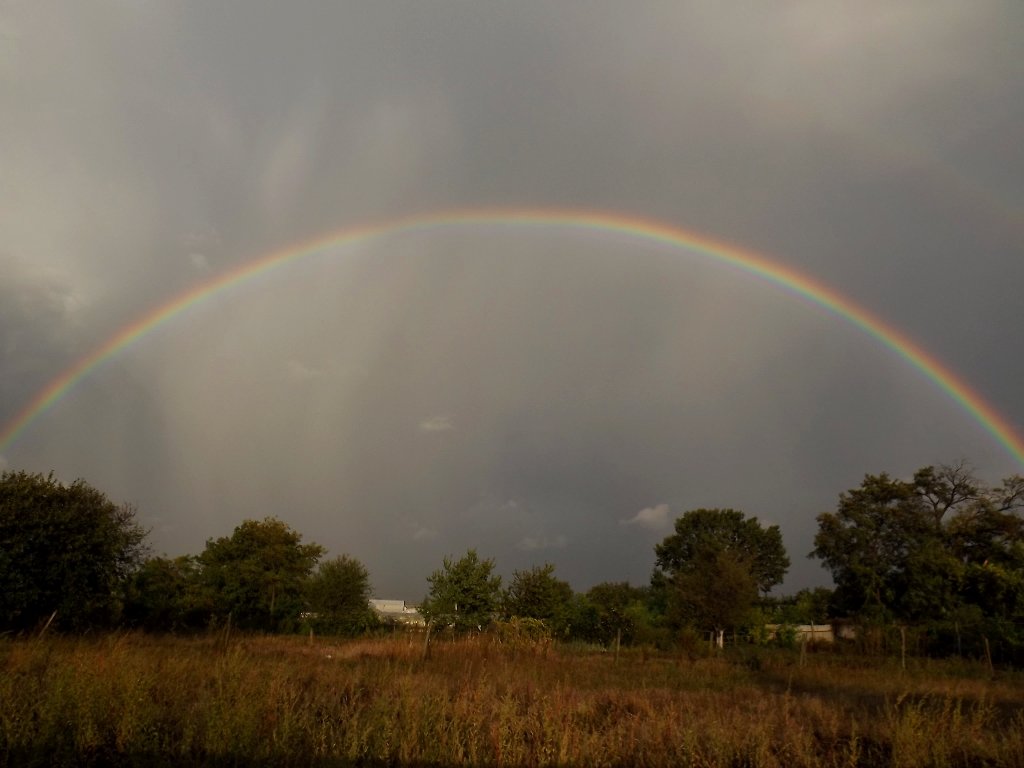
{"points": [[539, 390]]}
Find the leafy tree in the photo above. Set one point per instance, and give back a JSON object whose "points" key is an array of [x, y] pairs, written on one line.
{"points": [[988, 526], [583, 622], [537, 594], [63, 548], [909, 549], [166, 594], [811, 606], [259, 574], [464, 594], [718, 595], [701, 533], [621, 611], [997, 591], [808, 606], [869, 541], [712, 568], [338, 595]]}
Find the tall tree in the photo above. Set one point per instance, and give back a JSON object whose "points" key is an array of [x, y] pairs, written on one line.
{"points": [[701, 533], [166, 594], [464, 593], [259, 574], [911, 549], [537, 594], [869, 542], [63, 548], [620, 611], [339, 595], [714, 564]]}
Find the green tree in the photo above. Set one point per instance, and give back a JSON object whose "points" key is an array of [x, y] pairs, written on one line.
{"points": [[718, 595], [808, 606], [868, 544], [166, 595], [258, 575], [66, 549], [583, 622], [537, 594], [712, 568], [464, 594], [701, 533], [621, 611], [931, 550], [988, 526], [811, 606], [338, 597]]}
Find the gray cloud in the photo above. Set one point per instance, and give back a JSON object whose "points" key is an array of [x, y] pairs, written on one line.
{"points": [[199, 261], [300, 371], [535, 543], [424, 533], [389, 400]]}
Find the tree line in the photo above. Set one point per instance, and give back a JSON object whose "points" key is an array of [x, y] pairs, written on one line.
{"points": [[940, 551]]}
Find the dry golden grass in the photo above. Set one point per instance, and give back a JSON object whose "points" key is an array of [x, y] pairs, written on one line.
{"points": [[133, 699]]}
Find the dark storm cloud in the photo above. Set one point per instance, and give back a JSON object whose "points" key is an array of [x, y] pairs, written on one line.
{"points": [[539, 395]]}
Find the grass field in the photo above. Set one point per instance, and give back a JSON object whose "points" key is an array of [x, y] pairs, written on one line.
{"points": [[134, 699]]}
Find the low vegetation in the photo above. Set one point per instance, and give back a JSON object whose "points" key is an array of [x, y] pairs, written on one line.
{"points": [[485, 700], [256, 651]]}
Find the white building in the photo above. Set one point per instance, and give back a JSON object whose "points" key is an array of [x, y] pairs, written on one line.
{"points": [[397, 611]]}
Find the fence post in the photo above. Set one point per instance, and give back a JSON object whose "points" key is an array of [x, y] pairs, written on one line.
{"points": [[426, 641]]}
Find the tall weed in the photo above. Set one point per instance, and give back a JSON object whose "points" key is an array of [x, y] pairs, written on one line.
{"points": [[135, 699]]}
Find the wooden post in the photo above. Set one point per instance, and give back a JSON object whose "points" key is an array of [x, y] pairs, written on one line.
{"points": [[618, 640], [988, 656], [227, 632], [903, 648], [426, 641]]}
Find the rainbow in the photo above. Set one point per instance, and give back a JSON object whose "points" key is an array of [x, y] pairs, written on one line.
{"points": [[607, 223]]}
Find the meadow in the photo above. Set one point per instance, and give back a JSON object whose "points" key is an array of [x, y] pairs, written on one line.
{"points": [[134, 699]]}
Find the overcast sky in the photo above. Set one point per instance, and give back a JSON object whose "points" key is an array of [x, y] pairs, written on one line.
{"points": [[537, 393]]}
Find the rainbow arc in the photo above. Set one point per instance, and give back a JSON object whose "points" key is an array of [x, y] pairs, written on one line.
{"points": [[608, 223]]}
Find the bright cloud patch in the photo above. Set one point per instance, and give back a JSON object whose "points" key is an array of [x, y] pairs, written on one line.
{"points": [[655, 518], [437, 424]]}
